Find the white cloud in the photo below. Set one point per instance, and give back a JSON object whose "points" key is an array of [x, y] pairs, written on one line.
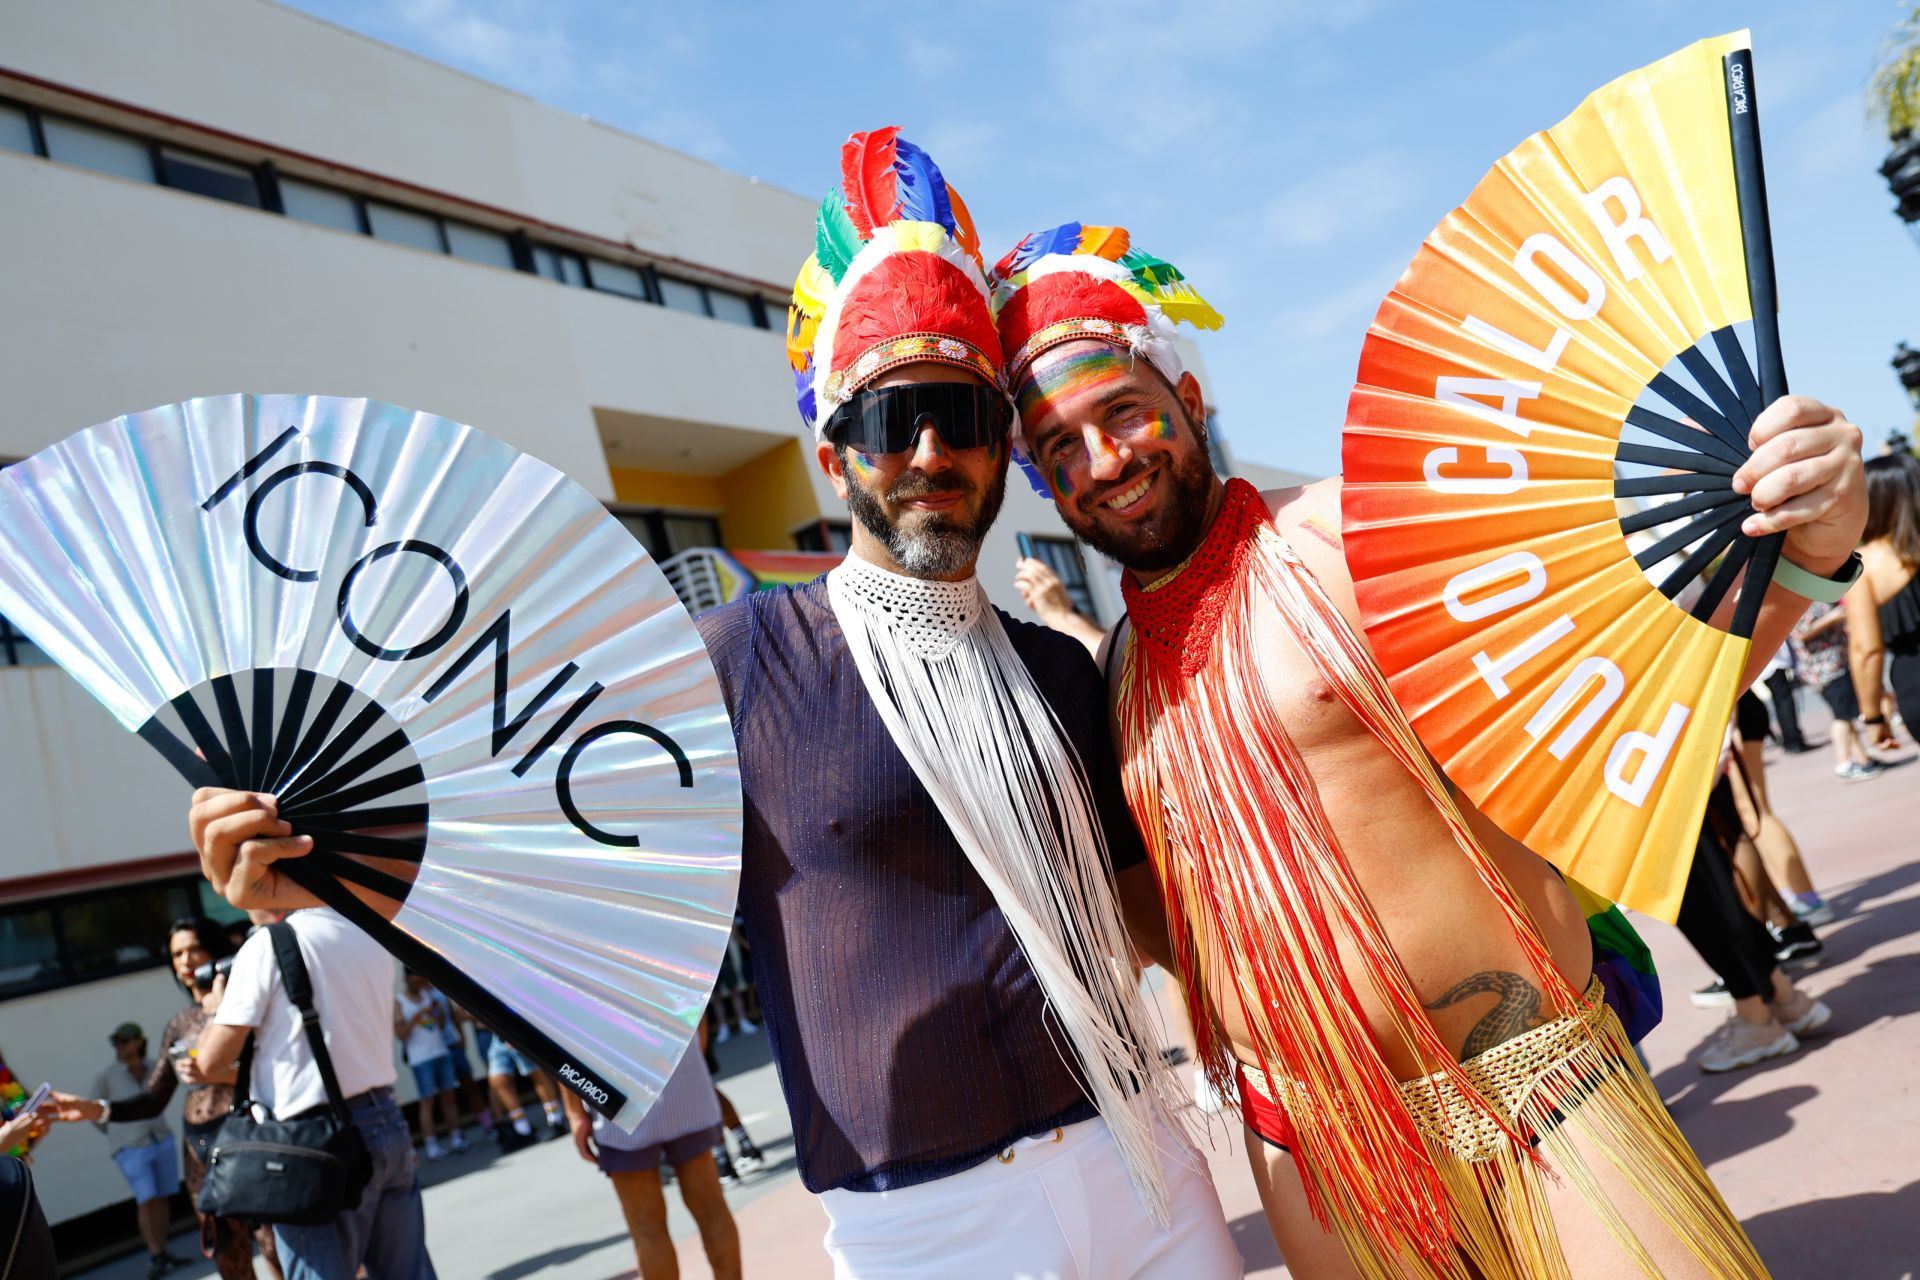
{"points": [[1351, 197], [510, 41]]}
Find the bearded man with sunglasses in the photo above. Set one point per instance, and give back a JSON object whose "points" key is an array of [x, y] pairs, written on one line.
{"points": [[933, 810]]}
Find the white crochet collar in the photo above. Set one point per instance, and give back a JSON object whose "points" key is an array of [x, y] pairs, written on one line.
{"points": [[929, 617]]}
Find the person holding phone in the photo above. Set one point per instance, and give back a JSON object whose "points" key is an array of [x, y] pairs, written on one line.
{"points": [[1043, 592]]}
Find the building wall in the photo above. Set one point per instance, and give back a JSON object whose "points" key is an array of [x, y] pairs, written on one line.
{"points": [[261, 70]]}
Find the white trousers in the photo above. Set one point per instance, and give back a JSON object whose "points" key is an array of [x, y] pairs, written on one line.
{"points": [[1054, 1207]]}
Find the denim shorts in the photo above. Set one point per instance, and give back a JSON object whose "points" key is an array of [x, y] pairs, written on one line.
{"points": [[505, 1060], [435, 1075], [152, 1169]]}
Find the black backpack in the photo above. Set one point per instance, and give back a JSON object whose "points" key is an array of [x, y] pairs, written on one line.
{"points": [[305, 1170]]}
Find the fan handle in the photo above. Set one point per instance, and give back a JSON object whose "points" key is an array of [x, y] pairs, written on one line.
{"points": [[1750, 189]]}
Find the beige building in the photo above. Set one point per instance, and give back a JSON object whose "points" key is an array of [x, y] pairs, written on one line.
{"points": [[209, 196]]}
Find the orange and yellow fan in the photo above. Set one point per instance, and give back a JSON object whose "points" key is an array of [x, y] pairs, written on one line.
{"points": [[1538, 506]]}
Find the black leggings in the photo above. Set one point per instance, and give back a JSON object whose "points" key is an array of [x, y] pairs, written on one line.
{"points": [[1737, 946]]}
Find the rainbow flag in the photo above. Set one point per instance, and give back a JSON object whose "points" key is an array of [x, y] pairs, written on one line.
{"points": [[1622, 963], [783, 568]]}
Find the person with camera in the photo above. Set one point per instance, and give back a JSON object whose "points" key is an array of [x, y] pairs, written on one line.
{"points": [[200, 951], [320, 1095]]}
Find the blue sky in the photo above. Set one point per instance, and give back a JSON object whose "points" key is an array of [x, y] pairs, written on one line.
{"points": [[1288, 155]]}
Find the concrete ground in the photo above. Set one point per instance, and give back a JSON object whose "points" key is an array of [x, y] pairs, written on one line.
{"points": [[1817, 1153]]}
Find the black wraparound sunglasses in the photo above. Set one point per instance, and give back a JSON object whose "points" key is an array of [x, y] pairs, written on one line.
{"points": [[967, 415]]}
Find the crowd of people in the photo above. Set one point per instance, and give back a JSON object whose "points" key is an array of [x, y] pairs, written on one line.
{"points": [[231, 986]]}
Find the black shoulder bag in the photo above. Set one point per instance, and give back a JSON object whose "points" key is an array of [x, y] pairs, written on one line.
{"points": [[306, 1170]]}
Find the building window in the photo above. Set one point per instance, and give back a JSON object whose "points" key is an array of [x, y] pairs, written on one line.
{"points": [[102, 150], [403, 226], [684, 533], [260, 186], [206, 176], [1062, 555], [731, 307], [322, 206], [16, 130], [834, 536], [61, 942], [614, 277], [18, 651], [680, 295], [666, 534], [559, 264], [477, 244]]}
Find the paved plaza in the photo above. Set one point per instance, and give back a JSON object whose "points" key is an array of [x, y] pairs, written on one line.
{"points": [[1816, 1152]]}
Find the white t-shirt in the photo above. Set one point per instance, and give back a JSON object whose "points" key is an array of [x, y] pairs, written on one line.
{"points": [[427, 1019], [352, 981]]}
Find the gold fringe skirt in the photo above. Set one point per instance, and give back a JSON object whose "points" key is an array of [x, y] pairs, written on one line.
{"points": [[1576, 1076]]}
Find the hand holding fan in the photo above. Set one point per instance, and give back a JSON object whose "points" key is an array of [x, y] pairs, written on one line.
{"points": [[1537, 503], [457, 672]]}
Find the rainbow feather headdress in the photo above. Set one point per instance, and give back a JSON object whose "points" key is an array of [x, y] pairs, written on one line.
{"points": [[895, 278], [1074, 281]]}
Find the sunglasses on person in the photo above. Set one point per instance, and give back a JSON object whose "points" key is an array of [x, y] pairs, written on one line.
{"points": [[966, 415]]}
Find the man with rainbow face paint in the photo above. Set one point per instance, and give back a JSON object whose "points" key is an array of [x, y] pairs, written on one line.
{"points": [[933, 814], [1421, 1017]]}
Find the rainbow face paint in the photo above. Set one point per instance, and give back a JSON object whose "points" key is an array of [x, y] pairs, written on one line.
{"points": [[1059, 378], [861, 465], [1158, 425], [1062, 482]]}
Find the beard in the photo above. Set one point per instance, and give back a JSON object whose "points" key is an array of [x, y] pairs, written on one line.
{"points": [[927, 544], [1170, 535]]}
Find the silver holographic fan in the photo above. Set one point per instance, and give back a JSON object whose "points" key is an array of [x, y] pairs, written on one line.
{"points": [[460, 675]]}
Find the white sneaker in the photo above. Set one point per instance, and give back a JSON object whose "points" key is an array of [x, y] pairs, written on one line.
{"points": [[1740, 1043], [748, 1026], [1713, 996], [459, 1144], [435, 1152], [723, 1035], [1801, 1014]]}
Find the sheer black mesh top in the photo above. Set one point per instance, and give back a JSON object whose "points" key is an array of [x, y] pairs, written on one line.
{"points": [[911, 1036]]}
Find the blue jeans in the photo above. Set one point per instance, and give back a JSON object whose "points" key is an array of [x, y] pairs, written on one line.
{"points": [[387, 1232]]}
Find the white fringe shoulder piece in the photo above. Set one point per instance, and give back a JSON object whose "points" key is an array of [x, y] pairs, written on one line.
{"points": [[965, 712]]}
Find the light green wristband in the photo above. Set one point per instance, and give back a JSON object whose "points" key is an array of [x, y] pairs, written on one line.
{"points": [[1814, 587]]}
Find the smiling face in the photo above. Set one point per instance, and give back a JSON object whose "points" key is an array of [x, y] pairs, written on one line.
{"points": [[1121, 451], [922, 511], [184, 949]]}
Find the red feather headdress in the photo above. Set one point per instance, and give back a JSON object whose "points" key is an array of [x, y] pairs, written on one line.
{"points": [[895, 278]]}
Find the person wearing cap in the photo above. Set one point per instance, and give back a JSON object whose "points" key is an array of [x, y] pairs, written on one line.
{"points": [[1415, 1012], [143, 1149]]}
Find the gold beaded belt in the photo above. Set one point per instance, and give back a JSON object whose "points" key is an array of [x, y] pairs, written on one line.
{"points": [[1507, 1076]]}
